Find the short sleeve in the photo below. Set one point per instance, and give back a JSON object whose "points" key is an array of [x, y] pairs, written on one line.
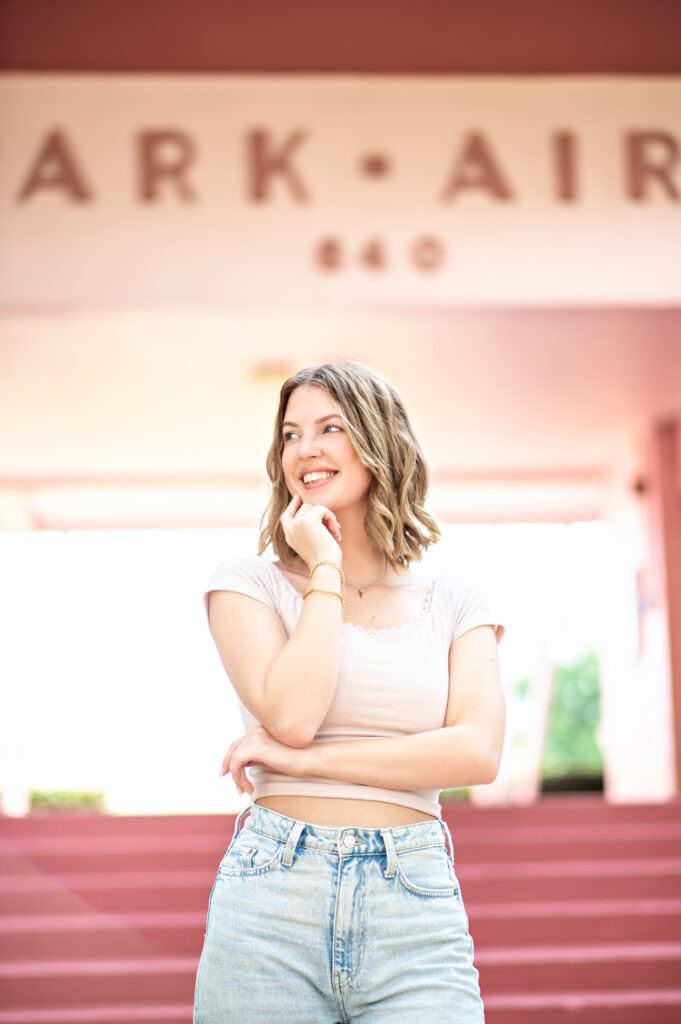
{"points": [[245, 576], [471, 607]]}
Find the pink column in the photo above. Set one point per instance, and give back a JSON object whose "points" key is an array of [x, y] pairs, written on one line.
{"points": [[665, 523]]}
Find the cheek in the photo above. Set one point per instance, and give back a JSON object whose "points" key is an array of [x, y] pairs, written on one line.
{"points": [[367, 477], [360, 474], [293, 484], [349, 456]]}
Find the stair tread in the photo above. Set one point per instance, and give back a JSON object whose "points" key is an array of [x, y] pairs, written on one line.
{"points": [[99, 920], [572, 1000], [96, 1014], [624, 951], [105, 844], [548, 856], [98, 965], [621, 867], [576, 1000]]}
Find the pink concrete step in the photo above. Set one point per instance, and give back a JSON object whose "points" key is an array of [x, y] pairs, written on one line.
{"points": [[574, 905], [628, 1006], [138, 981], [653, 877], [565, 810], [100, 936], [557, 841], [159, 1013], [112, 891], [610, 966], [51, 984], [649, 878], [476, 844], [568, 921], [91, 934]]}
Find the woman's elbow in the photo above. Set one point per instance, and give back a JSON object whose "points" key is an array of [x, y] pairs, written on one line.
{"points": [[491, 772], [293, 734], [492, 765]]}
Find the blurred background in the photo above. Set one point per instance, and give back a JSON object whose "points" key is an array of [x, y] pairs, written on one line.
{"points": [[483, 203]]}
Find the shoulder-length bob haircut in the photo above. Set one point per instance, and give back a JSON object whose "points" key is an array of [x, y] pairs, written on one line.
{"points": [[380, 432]]}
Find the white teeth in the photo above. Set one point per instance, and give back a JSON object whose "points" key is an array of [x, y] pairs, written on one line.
{"points": [[308, 477]]}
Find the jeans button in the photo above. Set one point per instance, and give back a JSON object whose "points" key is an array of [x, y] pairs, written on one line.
{"points": [[348, 841]]}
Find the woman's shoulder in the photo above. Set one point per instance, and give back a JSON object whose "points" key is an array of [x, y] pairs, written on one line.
{"points": [[254, 566], [253, 571], [247, 574], [469, 602]]}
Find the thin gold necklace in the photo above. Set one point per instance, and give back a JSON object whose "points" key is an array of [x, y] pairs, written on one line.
{"points": [[360, 590]]}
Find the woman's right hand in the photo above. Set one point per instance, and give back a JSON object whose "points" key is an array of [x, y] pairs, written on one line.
{"points": [[310, 530]]}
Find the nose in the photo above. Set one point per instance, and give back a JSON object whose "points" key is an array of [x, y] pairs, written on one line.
{"points": [[308, 446]]}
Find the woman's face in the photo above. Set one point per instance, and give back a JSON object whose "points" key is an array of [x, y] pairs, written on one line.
{"points": [[311, 446]]}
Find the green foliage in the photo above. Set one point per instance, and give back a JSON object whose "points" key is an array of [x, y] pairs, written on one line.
{"points": [[67, 800], [461, 794], [571, 746], [521, 688]]}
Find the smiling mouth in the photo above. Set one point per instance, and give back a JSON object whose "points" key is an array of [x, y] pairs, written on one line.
{"points": [[319, 482]]}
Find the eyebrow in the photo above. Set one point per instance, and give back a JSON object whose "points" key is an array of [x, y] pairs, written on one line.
{"points": [[332, 415]]}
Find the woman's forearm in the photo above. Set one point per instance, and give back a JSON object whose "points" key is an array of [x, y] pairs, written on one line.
{"points": [[447, 758], [301, 681]]}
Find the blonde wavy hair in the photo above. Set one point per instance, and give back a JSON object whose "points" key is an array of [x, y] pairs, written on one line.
{"points": [[380, 432]]}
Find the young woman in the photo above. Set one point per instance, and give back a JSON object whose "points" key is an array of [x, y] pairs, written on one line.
{"points": [[365, 689]]}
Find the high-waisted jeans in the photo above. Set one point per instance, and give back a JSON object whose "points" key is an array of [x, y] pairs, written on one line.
{"points": [[314, 925]]}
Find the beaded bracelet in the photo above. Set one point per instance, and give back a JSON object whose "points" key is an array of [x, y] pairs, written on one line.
{"points": [[320, 590], [326, 561]]}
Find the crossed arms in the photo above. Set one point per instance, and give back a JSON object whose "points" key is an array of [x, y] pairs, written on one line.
{"points": [[465, 752]]}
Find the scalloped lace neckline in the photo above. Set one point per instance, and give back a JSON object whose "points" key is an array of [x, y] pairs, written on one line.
{"points": [[370, 630]]}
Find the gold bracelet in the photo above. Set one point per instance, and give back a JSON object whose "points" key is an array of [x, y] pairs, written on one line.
{"points": [[336, 565], [327, 562], [319, 590]]}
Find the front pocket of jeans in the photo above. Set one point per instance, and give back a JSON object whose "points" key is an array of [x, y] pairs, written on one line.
{"points": [[427, 872], [251, 853]]}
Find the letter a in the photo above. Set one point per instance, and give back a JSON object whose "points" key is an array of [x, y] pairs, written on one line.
{"points": [[55, 167], [477, 168]]}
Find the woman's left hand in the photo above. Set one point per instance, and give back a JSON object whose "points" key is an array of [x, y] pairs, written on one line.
{"points": [[258, 746]]}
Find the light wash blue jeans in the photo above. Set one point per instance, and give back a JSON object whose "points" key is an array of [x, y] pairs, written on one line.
{"points": [[315, 925]]}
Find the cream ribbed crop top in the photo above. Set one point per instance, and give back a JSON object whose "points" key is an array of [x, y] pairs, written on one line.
{"points": [[391, 682]]}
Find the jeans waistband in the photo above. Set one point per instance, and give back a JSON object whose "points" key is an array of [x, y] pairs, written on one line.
{"points": [[295, 832]]}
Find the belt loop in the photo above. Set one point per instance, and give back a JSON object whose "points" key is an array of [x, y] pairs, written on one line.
{"points": [[292, 842], [391, 853], [445, 829], [237, 824]]}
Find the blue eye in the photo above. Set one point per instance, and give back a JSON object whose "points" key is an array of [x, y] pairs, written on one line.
{"points": [[334, 425]]}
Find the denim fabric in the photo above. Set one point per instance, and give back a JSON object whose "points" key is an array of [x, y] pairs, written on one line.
{"points": [[315, 925]]}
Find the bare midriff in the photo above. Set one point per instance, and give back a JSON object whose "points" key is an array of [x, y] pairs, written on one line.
{"points": [[342, 812]]}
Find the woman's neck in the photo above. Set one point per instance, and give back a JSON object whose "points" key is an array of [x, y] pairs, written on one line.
{"points": [[359, 570]]}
